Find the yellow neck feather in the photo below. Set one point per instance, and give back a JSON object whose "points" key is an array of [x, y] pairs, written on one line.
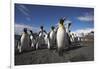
{"points": [[61, 25]]}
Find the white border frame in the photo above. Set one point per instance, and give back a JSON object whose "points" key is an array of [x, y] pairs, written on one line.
{"points": [[12, 31]]}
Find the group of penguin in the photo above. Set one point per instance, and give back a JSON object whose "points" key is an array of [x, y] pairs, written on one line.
{"points": [[58, 36]]}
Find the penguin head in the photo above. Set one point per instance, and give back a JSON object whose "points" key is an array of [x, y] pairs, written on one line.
{"points": [[31, 31], [73, 34], [25, 30], [52, 27], [41, 27], [69, 24], [62, 21]]}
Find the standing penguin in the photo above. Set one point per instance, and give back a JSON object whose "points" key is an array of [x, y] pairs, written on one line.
{"points": [[24, 41], [72, 38], [41, 36], [32, 39], [76, 38], [68, 34], [61, 37], [52, 37]]}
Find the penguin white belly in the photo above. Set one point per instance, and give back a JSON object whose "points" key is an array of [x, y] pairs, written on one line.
{"points": [[72, 39], [46, 39], [61, 36], [25, 41], [52, 37], [41, 38], [40, 35], [32, 41]]}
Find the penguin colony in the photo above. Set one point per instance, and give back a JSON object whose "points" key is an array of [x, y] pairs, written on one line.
{"points": [[58, 37]]}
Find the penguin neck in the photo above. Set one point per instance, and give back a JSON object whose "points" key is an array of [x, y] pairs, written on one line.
{"points": [[67, 28], [52, 30], [42, 30], [61, 25], [31, 34], [25, 32]]}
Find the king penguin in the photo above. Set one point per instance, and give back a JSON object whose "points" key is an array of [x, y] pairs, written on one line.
{"points": [[40, 40], [25, 40], [32, 39], [52, 36], [61, 37], [68, 32]]}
